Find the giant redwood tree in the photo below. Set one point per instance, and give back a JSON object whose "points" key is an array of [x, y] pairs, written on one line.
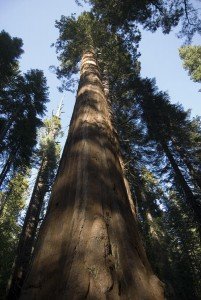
{"points": [[89, 246]]}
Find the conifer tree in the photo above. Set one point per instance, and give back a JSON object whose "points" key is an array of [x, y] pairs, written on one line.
{"points": [[163, 120], [191, 57], [48, 155], [21, 106], [141, 149], [90, 232], [125, 15], [163, 229], [10, 226], [11, 50]]}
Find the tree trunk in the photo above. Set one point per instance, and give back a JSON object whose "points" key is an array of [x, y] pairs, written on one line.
{"points": [[185, 187], [27, 238], [88, 246], [196, 176], [6, 168], [154, 235]]}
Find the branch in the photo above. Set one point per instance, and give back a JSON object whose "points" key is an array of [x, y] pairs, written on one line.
{"points": [[186, 13]]}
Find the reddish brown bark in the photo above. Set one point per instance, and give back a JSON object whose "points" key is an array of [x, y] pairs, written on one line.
{"points": [[89, 247]]}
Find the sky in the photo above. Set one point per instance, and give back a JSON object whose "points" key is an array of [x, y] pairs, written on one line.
{"points": [[160, 59], [33, 21]]}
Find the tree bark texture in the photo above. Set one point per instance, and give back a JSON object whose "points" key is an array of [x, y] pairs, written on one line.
{"points": [[89, 246], [28, 235]]}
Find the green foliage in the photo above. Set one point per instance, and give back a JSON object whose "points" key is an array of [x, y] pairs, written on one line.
{"points": [[14, 202], [22, 104], [48, 155], [170, 236], [163, 118], [10, 52], [191, 57], [49, 149], [150, 14], [144, 116], [183, 246], [29, 97], [86, 33]]}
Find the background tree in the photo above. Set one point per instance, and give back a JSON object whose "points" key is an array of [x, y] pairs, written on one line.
{"points": [[141, 149], [191, 57], [163, 120], [47, 161], [158, 201], [10, 226], [22, 104], [11, 50]]}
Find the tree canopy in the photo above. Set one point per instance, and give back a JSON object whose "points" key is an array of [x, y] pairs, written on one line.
{"points": [[23, 99], [191, 57], [151, 14]]}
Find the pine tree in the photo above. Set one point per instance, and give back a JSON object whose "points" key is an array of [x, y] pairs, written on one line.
{"points": [[10, 226], [11, 50], [162, 235], [163, 119], [191, 57], [183, 245], [48, 156], [22, 105]]}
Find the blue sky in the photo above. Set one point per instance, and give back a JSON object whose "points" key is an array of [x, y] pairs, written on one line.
{"points": [[160, 59], [33, 21]]}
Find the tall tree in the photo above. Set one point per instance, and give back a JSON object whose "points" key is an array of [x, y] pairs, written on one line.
{"points": [[164, 224], [98, 253], [11, 50], [48, 156], [186, 142], [164, 123], [191, 57], [184, 249], [22, 104], [10, 226]]}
